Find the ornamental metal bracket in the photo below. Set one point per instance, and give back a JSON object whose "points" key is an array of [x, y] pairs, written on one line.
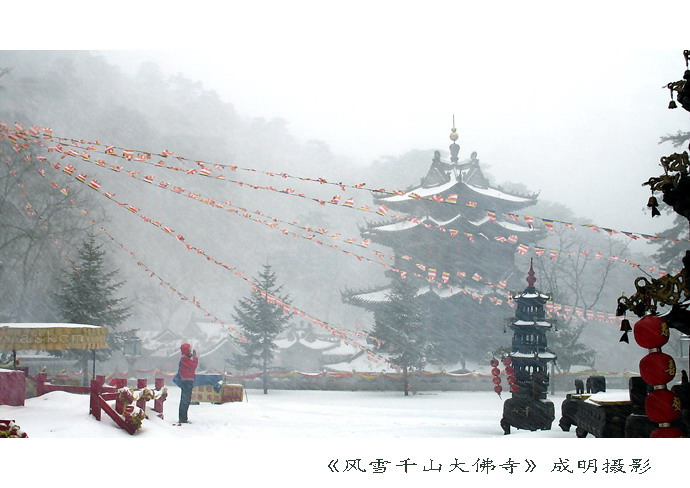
{"points": [[659, 292], [674, 184]]}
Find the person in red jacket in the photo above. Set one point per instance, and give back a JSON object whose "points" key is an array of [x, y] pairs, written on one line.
{"points": [[188, 364]]}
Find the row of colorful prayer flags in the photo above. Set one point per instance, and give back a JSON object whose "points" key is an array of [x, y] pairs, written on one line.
{"points": [[204, 169]]}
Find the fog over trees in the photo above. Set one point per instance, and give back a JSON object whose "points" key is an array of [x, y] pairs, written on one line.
{"points": [[83, 97]]}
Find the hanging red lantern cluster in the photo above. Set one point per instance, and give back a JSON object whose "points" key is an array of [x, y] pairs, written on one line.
{"points": [[510, 372], [662, 406], [495, 372]]}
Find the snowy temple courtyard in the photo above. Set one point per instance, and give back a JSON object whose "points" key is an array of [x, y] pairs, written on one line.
{"points": [[301, 433], [289, 414]]}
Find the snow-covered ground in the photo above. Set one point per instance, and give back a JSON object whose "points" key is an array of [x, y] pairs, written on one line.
{"points": [[287, 414], [296, 434]]}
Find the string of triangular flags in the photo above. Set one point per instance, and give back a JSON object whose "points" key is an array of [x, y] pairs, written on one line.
{"points": [[97, 187], [343, 334], [430, 272], [82, 178], [204, 169], [564, 311], [512, 239], [522, 249], [30, 211]]}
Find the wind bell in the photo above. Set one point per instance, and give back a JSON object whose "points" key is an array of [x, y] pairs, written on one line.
{"points": [[672, 103], [653, 204]]}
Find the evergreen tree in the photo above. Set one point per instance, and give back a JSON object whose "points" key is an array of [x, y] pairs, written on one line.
{"points": [[401, 328], [261, 322], [87, 296], [671, 248]]}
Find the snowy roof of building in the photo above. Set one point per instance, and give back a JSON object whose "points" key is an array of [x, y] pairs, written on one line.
{"points": [[223, 343], [452, 175], [511, 226], [381, 295], [410, 224], [42, 325], [424, 192], [212, 336], [317, 345], [538, 323], [531, 294], [541, 355], [343, 349], [363, 364], [496, 193], [211, 330]]}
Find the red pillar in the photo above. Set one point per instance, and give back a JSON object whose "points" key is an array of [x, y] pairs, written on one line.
{"points": [[95, 404]]}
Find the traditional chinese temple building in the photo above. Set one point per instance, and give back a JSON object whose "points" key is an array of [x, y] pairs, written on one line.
{"points": [[456, 235]]}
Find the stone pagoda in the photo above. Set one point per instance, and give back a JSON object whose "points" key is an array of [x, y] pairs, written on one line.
{"points": [[456, 236], [529, 357]]}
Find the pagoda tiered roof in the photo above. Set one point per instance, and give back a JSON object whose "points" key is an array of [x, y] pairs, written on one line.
{"points": [[453, 276], [380, 295], [466, 181], [486, 225]]}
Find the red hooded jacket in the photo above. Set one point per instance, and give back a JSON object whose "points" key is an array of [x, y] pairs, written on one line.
{"points": [[188, 363]]}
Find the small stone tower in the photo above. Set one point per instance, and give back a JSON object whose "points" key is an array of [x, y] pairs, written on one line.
{"points": [[528, 407]]}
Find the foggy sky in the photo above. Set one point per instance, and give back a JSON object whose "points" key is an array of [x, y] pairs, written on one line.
{"points": [[568, 102]]}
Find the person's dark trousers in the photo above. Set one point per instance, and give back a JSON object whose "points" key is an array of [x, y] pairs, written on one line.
{"points": [[185, 399]]}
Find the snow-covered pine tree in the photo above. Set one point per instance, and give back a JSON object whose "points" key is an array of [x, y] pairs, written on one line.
{"points": [[261, 318], [401, 328], [87, 295]]}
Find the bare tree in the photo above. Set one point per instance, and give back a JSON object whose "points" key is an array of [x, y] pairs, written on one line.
{"points": [[39, 227], [580, 274]]}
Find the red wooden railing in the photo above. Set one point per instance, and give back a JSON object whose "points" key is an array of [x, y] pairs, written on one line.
{"points": [[123, 414]]}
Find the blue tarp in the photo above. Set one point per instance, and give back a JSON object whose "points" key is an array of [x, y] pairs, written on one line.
{"points": [[208, 379]]}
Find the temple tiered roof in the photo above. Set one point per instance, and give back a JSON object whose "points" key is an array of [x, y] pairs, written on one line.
{"points": [[456, 236]]}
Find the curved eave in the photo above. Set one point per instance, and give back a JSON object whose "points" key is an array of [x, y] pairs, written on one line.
{"points": [[495, 227], [531, 295], [529, 323], [464, 191], [380, 296], [421, 191], [533, 355], [497, 194]]}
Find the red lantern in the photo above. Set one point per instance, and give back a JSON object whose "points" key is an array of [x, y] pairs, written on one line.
{"points": [[507, 361], [512, 379], [514, 388], [651, 332], [494, 362], [666, 432], [657, 368], [510, 370], [495, 371], [662, 406], [498, 389], [497, 380]]}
